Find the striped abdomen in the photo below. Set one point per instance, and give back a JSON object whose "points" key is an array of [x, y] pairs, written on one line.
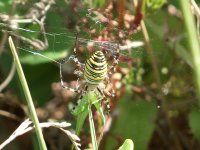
{"points": [[95, 69]]}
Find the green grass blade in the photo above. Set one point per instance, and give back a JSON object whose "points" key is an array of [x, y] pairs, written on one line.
{"points": [[91, 97], [100, 110], [92, 129], [28, 96], [192, 39]]}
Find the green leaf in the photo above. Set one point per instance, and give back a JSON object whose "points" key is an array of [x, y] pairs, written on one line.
{"points": [[40, 78], [58, 48], [99, 3], [80, 121], [138, 117], [5, 6], [32, 59], [81, 110], [127, 145], [156, 28], [155, 4], [82, 105], [55, 45], [194, 122]]}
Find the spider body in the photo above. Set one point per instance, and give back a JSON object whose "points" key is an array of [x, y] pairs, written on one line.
{"points": [[94, 74], [95, 68]]}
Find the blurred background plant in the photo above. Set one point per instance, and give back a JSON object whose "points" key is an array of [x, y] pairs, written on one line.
{"points": [[156, 102]]}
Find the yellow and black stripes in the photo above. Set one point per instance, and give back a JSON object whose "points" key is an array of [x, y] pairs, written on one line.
{"points": [[95, 69]]}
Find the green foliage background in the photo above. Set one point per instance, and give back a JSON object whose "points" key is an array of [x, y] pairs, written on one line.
{"points": [[138, 113]]}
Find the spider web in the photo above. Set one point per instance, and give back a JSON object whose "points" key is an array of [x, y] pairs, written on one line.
{"points": [[38, 46], [57, 47]]}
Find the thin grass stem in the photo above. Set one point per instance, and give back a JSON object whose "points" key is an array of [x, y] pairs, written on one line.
{"points": [[192, 39], [29, 100], [92, 129]]}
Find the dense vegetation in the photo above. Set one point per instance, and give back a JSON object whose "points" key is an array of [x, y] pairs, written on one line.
{"points": [[156, 80]]}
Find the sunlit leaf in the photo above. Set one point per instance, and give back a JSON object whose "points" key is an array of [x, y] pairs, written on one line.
{"points": [[127, 145], [194, 122], [138, 118]]}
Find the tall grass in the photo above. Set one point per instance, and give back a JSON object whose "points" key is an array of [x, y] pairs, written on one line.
{"points": [[27, 94], [192, 39]]}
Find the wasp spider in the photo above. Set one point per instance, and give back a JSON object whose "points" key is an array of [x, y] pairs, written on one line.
{"points": [[94, 73]]}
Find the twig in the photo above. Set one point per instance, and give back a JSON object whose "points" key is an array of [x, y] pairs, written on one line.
{"points": [[26, 127], [3, 41], [9, 115], [150, 52], [9, 77], [162, 100]]}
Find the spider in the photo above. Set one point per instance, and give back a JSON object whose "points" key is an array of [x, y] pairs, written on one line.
{"points": [[94, 73]]}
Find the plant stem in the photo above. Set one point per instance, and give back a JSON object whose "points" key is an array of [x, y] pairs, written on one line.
{"points": [[28, 96], [9, 78], [192, 39], [92, 129], [153, 60]]}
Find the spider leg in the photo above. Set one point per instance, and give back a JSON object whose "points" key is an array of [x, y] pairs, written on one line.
{"points": [[111, 70], [110, 94], [82, 92], [114, 64], [115, 56], [75, 59], [105, 99], [78, 72], [107, 82], [77, 90]]}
